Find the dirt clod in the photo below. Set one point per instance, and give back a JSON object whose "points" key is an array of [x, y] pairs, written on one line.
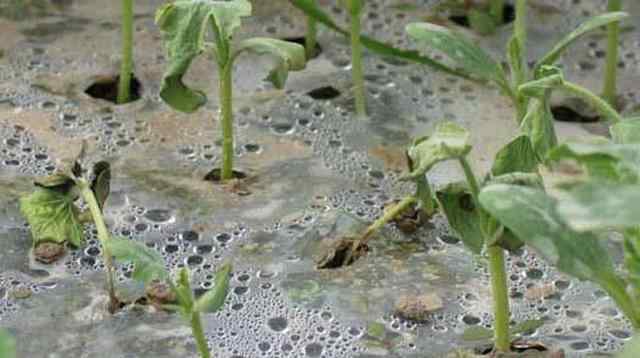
{"points": [[340, 253], [48, 252], [418, 308]]}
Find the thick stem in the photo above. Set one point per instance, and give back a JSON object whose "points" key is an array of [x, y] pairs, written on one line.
{"points": [[497, 270], [388, 215], [500, 295], [611, 69], [310, 40], [103, 237], [497, 11], [596, 102], [356, 66], [126, 67], [198, 334], [226, 112]]}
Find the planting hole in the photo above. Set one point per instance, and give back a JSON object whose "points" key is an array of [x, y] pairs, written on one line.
{"points": [[340, 253], [564, 113], [215, 175], [324, 93], [508, 16], [106, 88], [300, 40]]}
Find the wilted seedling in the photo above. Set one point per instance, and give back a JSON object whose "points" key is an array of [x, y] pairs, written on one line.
{"points": [[566, 225], [56, 220], [149, 268], [186, 24]]}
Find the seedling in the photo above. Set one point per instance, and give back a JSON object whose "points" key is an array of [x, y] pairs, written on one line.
{"points": [[185, 24], [7, 345], [354, 8], [149, 268], [126, 66], [565, 225], [475, 60], [55, 219], [609, 90]]}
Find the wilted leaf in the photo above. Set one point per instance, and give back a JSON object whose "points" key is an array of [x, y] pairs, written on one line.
{"points": [[101, 184], [58, 181], [213, 300], [289, 56], [465, 53], [52, 216], [517, 156], [540, 87], [603, 160], [449, 141], [589, 25], [313, 11], [538, 124], [7, 345], [457, 204], [184, 25], [148, 263], [530, 214], [627, 131]]}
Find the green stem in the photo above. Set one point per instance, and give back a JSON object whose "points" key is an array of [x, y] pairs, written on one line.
{"points": [[356, 66], [497, 11], [596, 102], [497, 270], [520, 77], [198, 334], [611, 69], [388, 215], [226, 112], [311, 37], [126, 67], [103, 237]]}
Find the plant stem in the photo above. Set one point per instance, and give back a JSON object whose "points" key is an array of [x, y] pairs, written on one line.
{"points": [[596, 102], [500, 295], [388, 215], [126, 67], [198, 334], [520, 77], [497, 11], [356, 66], [611, 69], [497, 270], [103, 237], [226, 111], [311, 37]]}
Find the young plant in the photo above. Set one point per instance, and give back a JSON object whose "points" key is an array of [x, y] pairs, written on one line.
{"points": [[185, 24], [126, 66], [55, 219], [149, 268], [7, 345], [354, 8], [609, 90], [475, 60], [566, 225]]}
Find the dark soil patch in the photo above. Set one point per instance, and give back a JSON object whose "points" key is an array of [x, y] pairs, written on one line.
{"points": [[106, 88]]}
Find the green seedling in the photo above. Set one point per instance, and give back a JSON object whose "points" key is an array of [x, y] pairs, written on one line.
{"points": [[149, 268], [7, 345], [126, 66], [185, 25], [516, 163], [566, 225], [609, 90], [55, 219], [311, 37], [354, 8], [475, 60]]}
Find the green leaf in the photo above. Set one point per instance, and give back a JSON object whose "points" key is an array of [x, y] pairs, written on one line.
{"points": [[627, 131], [481, 22], [599, 205], [593, 23], [533, 180], [449, 141], [7, 345], [184, 25], [213, 300], [457, 204], [148, 263], [517, 156], [101, 184], [538, 124], [604, 160], [527, 326], [631, 348], [184, 293], [52, 216], [530, 214], [465, 53], [289, 56], [313, 11], [632, 258]]}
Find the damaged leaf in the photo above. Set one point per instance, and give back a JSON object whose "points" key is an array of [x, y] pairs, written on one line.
{"points": [[148, 263], [288, 56], [213, 300]]}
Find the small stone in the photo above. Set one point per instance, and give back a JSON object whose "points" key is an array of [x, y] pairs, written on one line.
{"points": [[20, 293], [418, 308], [48, 252], [535, 293]]}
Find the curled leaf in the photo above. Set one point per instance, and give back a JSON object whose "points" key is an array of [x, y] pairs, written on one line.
{"points": [[214, 299], [148, 263], [101, 185], [289, 56], [517, 156], [463, 216]]}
